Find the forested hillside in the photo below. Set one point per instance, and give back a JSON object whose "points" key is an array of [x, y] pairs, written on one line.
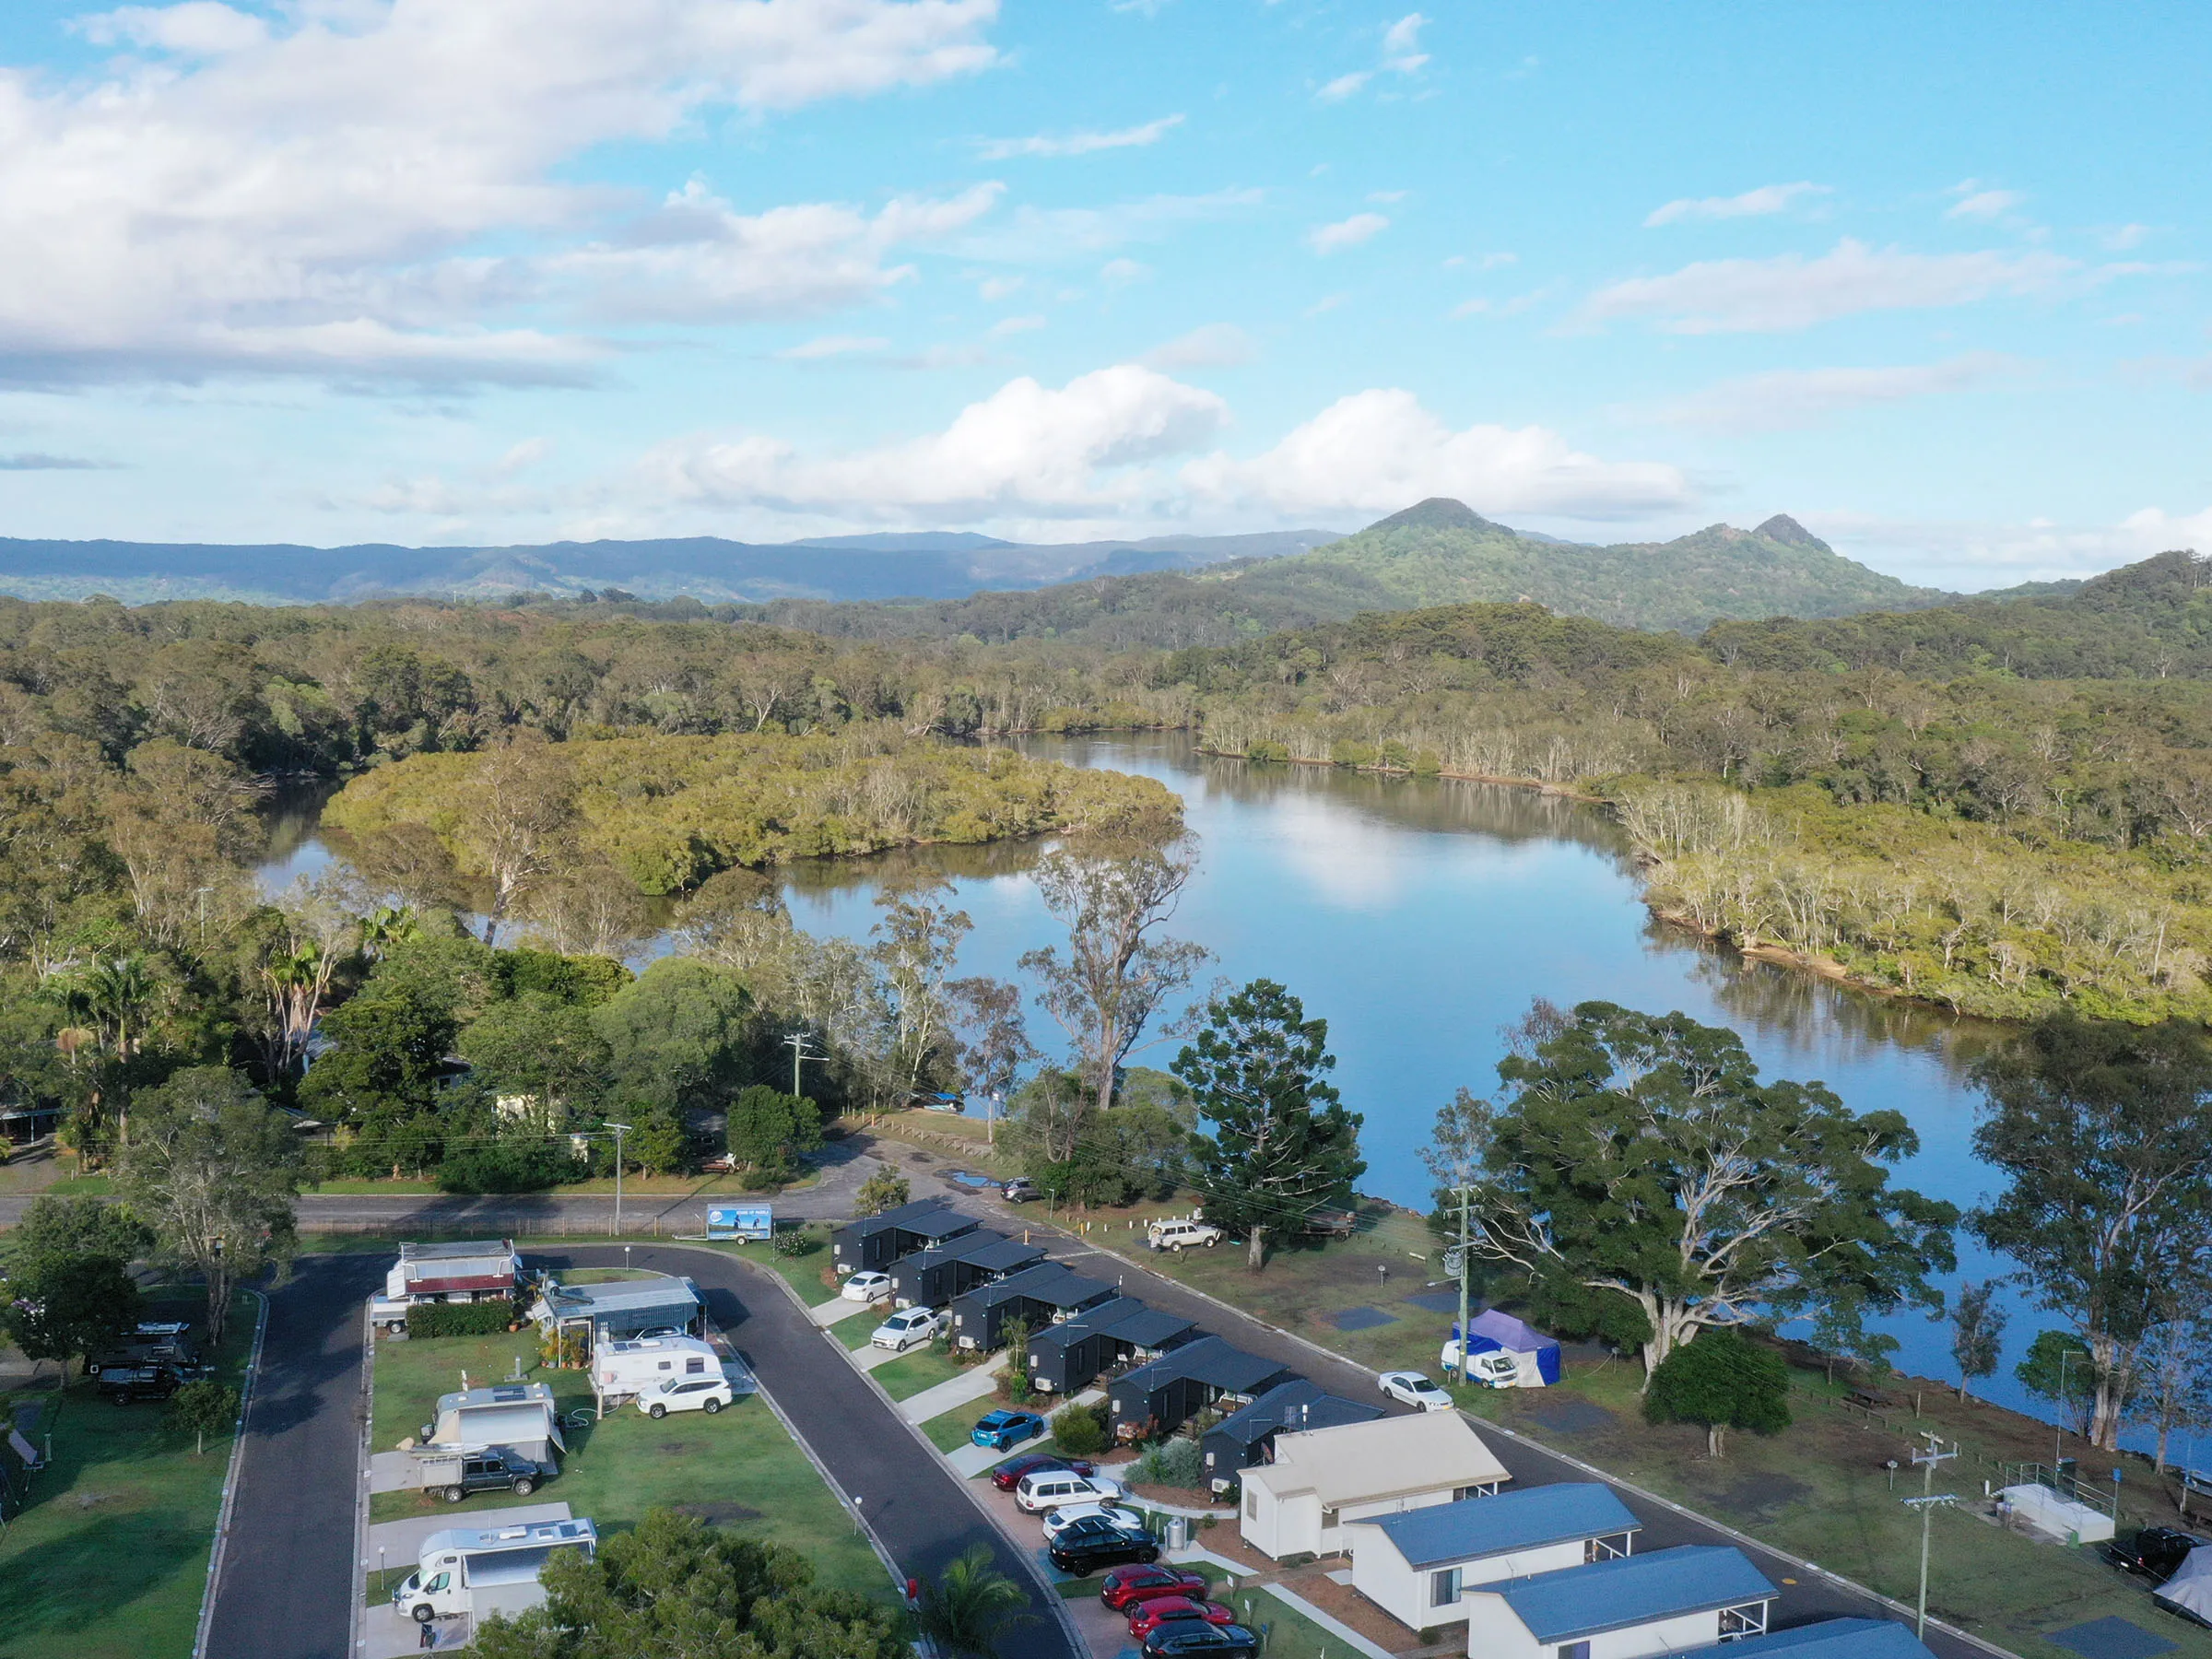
{"points": [[1438, 552]]}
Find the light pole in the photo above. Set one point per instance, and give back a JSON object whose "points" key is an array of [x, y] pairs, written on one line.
{"points": [[620, 1130]]}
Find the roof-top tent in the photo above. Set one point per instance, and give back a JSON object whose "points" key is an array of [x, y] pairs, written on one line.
{"points": [[1538, 1354], [873, 1242], [1042, 1295], [621, 1309], [1247, 1437], [1068, 1357], [1174, 1389], [930, 1279]]}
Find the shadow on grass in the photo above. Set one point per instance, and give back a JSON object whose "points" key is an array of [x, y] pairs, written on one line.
{"points": [[93, 1576]]}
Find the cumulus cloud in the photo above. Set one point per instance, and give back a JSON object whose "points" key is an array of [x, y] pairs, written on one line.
{"points": [[1345, 234], [296, 196], [1376, 450], [1075, 451], [1752, 204], [1781, 399], [1740, 295], [1077, 144], [1214, 345], [1968, 554], [1344, 85]]}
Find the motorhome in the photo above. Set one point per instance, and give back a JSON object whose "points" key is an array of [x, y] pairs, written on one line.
{"points": [[467, 1570], [633, 1368]]}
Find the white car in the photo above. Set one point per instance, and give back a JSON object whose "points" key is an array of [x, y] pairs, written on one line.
{"points": [[1182, 1235], [910, 1329], [1414, 1389], [708, 1394], [1058, 1521], [1054, 1488], [866, 1286]]}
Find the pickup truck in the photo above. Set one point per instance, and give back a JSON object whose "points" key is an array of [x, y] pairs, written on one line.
{"points": [[123, 1384], [453, 1475]]}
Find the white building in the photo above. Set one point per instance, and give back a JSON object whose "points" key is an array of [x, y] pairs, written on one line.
{"points": [[1415, 1565], [1322, 1478], [1629, 1607]]}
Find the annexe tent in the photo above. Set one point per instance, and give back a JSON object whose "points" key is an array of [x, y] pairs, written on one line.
{"points": [[2189, 1591], [1539, 1355]]}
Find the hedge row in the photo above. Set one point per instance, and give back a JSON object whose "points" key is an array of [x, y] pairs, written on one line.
{"points": [[460, 1319]]}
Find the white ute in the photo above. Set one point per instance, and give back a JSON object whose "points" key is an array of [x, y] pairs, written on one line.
{"points": [[1182, 1232]]}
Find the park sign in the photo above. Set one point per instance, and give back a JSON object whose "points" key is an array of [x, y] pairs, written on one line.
{"points": [[741, 1222]]}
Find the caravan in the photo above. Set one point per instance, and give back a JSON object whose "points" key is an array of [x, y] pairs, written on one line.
{"points": [[476, 1573], [637, 1368]]}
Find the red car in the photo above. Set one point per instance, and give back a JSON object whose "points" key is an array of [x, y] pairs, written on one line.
{"points": [[1147, 1583], [1008, 1476], [1146, 1617]]}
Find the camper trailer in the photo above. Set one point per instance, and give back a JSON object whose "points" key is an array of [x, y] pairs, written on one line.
{"points": [[620, 1368], [476, 1573]]}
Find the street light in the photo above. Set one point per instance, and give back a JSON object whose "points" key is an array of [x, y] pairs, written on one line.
{"points": [[620, 1130]]}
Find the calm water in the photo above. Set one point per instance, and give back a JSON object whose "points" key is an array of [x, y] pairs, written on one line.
{"points": [[1418, 918]]}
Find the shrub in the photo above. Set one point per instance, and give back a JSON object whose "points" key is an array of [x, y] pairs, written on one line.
{"points": [[1172, 1463], [1351, 754], [1266, 748], [885, 1190], [1078, 1430], [460, 1319], [509, 1167], [1427, 763], [795, 1242]]}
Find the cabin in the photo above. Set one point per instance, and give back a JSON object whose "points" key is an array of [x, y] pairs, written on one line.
{"points": [[1238, 1441], [1322, 1478], [1067, 1358], [1629, 1607], [873, 1242], [1160, 1397], [1042, 1295], [930, 1279], [1415, 1564], [620, 1310]]}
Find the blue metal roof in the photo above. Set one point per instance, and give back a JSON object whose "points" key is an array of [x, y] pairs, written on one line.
{"points": [[1829, 1639], [1527, 1519], [1611, 1595]]}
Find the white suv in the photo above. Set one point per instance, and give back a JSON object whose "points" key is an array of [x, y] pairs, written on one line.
{"points": [[903, 1331], [1182, 1235], [708, 1394], [1050, 1488]]}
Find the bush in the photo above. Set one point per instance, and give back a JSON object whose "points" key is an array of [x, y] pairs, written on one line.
{"points": [[460, 1319], [1351, 754], [1079, 1431], [1266, 749], [1720, 1381], [509, 1167], [795, 1242], [1172, 1463]]}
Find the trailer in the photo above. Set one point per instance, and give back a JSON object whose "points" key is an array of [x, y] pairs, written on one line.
{"points": [[473, 1571], [746, 1223]]}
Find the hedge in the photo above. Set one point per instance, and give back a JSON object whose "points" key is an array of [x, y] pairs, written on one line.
{"points": [[460, 1319]]}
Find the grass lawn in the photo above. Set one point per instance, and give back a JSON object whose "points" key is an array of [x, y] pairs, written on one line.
{"points": [[948, 1430], [738, 1469], [1287, 1634], [912, 1372], [809, 1275], [111, 1559]]}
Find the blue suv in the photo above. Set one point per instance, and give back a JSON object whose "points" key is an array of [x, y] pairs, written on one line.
{"points": [[1005, 1430]]}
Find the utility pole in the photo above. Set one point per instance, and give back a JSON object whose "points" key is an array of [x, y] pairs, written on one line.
{"points": [[620, 1130], [1459, 1271], [797, 1045], [1927, 1503]]}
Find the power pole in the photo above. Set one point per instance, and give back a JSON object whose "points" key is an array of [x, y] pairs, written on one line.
{"points": [[797, 1045], [1927, 1503], [620, 1130], [1458, 1270]]}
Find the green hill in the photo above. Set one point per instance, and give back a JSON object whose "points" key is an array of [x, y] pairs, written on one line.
{"points": [[1438, 552]]}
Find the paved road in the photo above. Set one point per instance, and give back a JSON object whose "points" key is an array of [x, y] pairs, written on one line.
{"points": [[285, 1590], [286, 1587]]}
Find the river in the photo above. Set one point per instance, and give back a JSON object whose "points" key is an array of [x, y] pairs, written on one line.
{"points": [[1419, 917]]}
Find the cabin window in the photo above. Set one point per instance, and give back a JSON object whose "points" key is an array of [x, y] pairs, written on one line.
{"points": [[695, 1365], [1574, 1650], [1251, 1505], [1749, 1619], [1443, 1587], [1606, 1548], [1328, 1517]]}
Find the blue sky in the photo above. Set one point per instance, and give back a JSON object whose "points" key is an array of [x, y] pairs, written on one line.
{"points": [[464, 271]]}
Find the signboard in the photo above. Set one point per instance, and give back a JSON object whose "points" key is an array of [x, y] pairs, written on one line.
{"points": [[741, 1222]]}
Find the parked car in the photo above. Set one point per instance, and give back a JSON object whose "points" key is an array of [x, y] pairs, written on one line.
{"points": [[1001, 1429], [1411, 1388], [1008, 1476], [454, 1476], [708, 1394], [122, 1384], [1331, 1223], [1182, 1235], [866, 1286], [1037, 1493], [1057, 1521], [1020, 1190], [2156, 1552], [1493, 1368], [1195, 1636], [1124, 1586], [910, 1329], [164, 1353], [1083, 1553], [1146, 1617]]}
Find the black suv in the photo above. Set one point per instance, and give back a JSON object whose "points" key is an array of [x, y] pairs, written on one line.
{"points": [[1083, 1549], [494, 1471], [2155, 1552], [1195, 1637], [125, 1384]]}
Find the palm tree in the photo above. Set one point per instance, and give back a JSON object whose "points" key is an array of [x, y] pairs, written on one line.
{"points": [[972, 1605], [113, 1000]]}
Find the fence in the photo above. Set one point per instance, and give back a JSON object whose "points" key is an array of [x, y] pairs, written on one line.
{"points": [[2104, 1498]]}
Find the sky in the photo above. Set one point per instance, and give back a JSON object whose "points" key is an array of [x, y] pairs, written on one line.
{"points": [[1930, 280]]}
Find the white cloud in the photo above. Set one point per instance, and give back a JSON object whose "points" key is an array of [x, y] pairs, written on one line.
{"points": [[1982, 205], [1061, 235], [1481, 261], [1752, 204], [1738, 296], [1402, 45], [2123, 237], [1345, 234], [1787, 398], [299, 195], [1379, 449], [1121, 273], [1082, 449], [1322, 306], [1214, 345], [1386, 197], [995, 289], [1014, 326], [830, 346], [1483, 306], [1077, 144], [1969, 556], [522, 456], [1344, 85]]}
